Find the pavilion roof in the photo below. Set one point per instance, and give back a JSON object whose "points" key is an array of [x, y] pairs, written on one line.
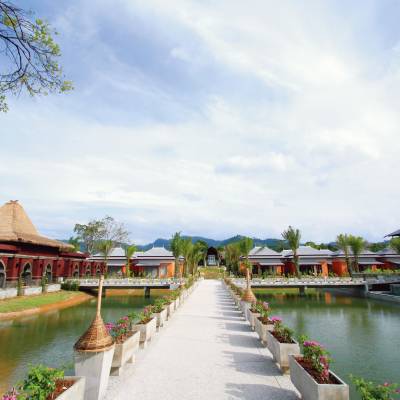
{"points": [[395, 233], [16, 226]]}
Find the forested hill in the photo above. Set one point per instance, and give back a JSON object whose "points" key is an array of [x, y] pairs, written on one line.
{"points": [[213, 242]]}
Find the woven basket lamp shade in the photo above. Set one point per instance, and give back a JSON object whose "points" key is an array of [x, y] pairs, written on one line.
{"points": [[96, 339], [248, 294]]}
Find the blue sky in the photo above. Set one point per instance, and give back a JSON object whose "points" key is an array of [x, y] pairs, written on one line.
{"points": [[214, 118]]}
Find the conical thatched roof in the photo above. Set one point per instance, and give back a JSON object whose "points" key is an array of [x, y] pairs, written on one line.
{"points": [[15, 226], [95, 339]]}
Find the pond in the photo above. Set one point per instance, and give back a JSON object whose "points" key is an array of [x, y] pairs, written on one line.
{"points": [[48, 338], [362, 335]]}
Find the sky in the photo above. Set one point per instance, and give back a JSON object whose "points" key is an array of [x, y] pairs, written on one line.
{"points": [[213, 118]]}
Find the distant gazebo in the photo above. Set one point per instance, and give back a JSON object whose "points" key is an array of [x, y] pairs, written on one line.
{"points": [[212, 257]]}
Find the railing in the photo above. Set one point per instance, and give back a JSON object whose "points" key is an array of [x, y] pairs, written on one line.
{"points": [[129, 282]]}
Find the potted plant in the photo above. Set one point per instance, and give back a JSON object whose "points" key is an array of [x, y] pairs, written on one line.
{"points": [[160, 312], [373, 391], [147, 325], [254, 312], [263, 323], [48, 383], [126, 344], [280, 343], [311, 375], [170, 306]]}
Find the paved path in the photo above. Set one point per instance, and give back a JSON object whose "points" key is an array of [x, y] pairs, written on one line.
{"points": [[207, 351]]}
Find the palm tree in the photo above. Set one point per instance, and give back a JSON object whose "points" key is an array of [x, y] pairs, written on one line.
{"points": [[395, 244], [342, 242], [105, 248], [357, 245], [204, 248], [195, 255], [129, 252], [293, 236], [186, 249], [232, 256], [176, 248]]}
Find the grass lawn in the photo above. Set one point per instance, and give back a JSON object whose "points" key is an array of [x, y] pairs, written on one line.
{"points": [[25, 303]]}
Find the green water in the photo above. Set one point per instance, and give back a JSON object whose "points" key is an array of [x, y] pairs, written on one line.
{"points": [[362, 335], [48, 338]]}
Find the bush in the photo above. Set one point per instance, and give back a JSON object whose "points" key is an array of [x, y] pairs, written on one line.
{"points": [[70, 285], [372, 391]]}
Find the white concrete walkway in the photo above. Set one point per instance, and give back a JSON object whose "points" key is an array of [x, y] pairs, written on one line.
{"points": [[207, 351]]}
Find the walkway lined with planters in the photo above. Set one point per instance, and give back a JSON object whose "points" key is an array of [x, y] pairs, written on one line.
{"points": [[205, 351]]}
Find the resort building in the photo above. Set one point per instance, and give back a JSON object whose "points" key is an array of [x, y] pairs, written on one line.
{"points": [[367, 261], [156, 262], [389, 258], [26, 254], [266, 261], [311, 261]]}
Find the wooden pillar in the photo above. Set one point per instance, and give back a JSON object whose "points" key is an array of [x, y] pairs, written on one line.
{"points": [[146, 292]]}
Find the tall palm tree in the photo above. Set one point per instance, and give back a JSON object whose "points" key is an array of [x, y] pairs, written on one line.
{"points": [[232, 256], [204, 248], [129, 252], [342, 242], [395, 244], [293, 236], [357, 245], [176, 248], [105, 248], [195, 255], [186, 248]]}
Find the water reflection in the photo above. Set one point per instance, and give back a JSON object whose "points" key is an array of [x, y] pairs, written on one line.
{"points": [[362, 335], [48, 338]]}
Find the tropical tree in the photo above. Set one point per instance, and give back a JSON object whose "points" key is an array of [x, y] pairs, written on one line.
{"points": [[357, 245], [293, 236], [90, 234], [105, 248], [204, 248], [395, 244], [74, 241], [342, 242], [232, 257], [195, 255], [29, 55], [186, 249], [99, 230], [176, 248], [129, 252]]}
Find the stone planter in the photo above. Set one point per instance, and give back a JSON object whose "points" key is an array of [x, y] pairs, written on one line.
{"points": [[124, 353], [281, 351], [262, 329], [177, 303], [76, 391], [244, 306], [53, 287], [161, 318], [170, 310], [251, 317], [310, 389], [31, 291], [147, 331]]}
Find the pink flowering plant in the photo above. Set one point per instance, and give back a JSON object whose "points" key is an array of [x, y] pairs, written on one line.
{"points": [[120, 329], [373, 391], [283, 333], [10, 395], [317, 356]]}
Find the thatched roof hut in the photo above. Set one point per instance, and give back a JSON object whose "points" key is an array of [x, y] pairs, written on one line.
{"points": [[16, 227]]}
